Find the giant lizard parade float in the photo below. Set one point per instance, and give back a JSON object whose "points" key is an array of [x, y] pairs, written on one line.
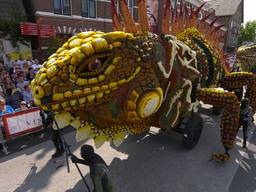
{"points": [[110, 85]]}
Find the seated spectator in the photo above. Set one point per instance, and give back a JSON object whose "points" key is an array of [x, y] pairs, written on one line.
{"points": [[10, 85], [27, 94], [4, 109], [23, 105], [21, 82], [30, 75], [14, 97]]}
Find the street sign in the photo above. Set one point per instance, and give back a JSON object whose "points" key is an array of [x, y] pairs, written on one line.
{"points": [[29, 28], [46, 30]]}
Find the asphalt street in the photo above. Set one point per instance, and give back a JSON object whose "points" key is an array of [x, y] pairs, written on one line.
{"points": [[153, 162]]}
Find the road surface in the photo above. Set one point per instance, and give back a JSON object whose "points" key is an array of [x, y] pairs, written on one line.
{"points": [[144, 163]]}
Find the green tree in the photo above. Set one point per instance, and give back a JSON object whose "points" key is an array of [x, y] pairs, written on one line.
{"points": [[10, 27], [248, 32], [54, 44]]}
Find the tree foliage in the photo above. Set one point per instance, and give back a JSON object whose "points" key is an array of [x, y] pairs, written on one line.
{"points": [[10, 27], [248, 32], [54, 44]]}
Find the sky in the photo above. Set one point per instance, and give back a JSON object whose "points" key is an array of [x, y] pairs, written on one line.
{"points": [[249, 10]]}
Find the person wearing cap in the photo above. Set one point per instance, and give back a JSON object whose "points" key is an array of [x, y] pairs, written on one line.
{"points": [[99, 170], [23, 105]]}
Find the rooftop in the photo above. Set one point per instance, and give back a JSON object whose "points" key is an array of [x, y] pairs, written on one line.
{"points": [[221, 7]]}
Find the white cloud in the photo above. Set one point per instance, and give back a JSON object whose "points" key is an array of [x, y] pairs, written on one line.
{"points": [[249, 10]]}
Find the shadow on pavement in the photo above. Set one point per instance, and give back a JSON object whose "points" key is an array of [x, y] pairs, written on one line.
{"points": [[245, 178], [80, 186], [19, 144], [37, 180]]}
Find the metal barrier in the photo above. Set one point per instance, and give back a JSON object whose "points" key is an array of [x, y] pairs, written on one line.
{"points": [[18, 124]]}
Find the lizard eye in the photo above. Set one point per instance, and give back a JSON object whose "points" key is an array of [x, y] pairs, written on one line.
{"points": [[94, 66]]}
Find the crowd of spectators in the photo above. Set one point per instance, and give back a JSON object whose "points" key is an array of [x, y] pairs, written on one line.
{"points": [[15, 92], [15, 78]]}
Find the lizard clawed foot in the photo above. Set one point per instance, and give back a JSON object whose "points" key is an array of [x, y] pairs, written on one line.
{"points": [[222, 157]]}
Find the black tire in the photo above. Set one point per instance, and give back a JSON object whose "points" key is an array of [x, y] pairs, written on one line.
{"points": [[192, 131]]}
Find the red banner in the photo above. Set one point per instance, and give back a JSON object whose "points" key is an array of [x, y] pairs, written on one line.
{"points": [[42, 30], [46, 30], [29, 29]]}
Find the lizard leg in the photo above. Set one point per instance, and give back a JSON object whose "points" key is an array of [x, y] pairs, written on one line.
{"points": [[230, 119], [237, 80]]}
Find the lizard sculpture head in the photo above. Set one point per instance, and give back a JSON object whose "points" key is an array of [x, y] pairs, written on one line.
{"points": [[95, 79]]}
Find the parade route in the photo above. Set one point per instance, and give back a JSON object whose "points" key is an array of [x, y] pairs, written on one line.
{"points": [[143, 163]]}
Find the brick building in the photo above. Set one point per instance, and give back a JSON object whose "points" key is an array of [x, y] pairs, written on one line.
{"points": [[72, 16]]}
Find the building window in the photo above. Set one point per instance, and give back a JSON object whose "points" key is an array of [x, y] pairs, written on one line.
{"points": [[57, 6], [88, 8], [130, 6], [62, 7], [129, 3]]}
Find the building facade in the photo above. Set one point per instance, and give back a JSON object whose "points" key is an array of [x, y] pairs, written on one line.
{"points": [[69, 17], [73, 16]]}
